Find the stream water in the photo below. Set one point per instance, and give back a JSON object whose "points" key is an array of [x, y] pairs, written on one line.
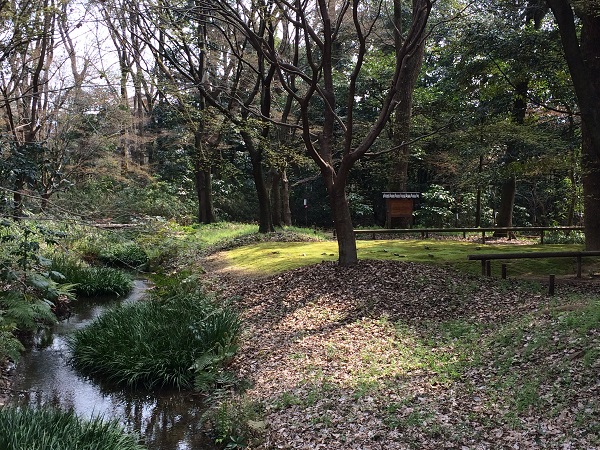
{"points": [[165, 420]]}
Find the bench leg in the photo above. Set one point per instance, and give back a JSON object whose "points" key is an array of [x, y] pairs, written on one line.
{"points": [[483, 266], [579, 267]]}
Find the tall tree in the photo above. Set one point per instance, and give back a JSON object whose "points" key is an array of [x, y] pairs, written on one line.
{"points": [[24, 87], [403, 114], [333, 140], [582, 53], [190, 53]]}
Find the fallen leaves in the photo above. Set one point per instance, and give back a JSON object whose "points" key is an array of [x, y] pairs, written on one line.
{"points": [[397, 355]]}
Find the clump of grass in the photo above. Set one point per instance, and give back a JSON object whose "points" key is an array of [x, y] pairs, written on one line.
{"points": [[124, 254], [93, 281], [41, 429], [163, 342]]}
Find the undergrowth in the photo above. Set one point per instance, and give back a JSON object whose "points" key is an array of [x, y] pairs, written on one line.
{"points": [[52, 429], [178, 340], [93, 281]]}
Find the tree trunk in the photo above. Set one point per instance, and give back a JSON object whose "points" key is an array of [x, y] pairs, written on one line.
{"points": [[572, 159], [344, 229], [591, 191], [403, 113], [276, 211], [265, 221], [507, 203], [18, 197], [285, 199], [583, 59], [509, 185], [478, 200], [203, 182], [590, 131]]}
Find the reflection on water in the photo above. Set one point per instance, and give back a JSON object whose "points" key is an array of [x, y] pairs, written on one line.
{"points": [[165, 420]]}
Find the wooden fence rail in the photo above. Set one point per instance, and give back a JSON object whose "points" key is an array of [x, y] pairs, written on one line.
{"points": [[424, 232], [485, 258]]}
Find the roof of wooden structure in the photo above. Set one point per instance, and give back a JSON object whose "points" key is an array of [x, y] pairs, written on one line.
{"points": [[401, 195]]}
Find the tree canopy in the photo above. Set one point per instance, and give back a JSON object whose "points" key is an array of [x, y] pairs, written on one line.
{"points": [[304, 112]]}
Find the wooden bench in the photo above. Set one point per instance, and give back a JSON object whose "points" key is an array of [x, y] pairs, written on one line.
{"points": [[485, 258]]}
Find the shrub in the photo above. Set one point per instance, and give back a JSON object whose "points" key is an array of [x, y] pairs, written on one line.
{"points": [[29, 290], [42, 429], [564, 237], [437, 207], [235, 422], [10, 346], [24, 313], [126, 200], [159, 342]]}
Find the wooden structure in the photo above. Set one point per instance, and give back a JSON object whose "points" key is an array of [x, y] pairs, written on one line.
{"points": [[486, 258], [425, 231], [400, 205]]}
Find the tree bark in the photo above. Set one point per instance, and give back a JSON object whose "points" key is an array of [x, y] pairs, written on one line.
{"points": [[583, 59], [403, 113], [344, 229], [276, 210], [203, 182], [265, 220], [285, 199], [509, 184]]}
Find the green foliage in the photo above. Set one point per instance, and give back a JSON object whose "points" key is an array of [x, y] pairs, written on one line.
{"points": [[126, 254], [93, 281], [436, 210], [126, 201], [25, 314], [564, 237], [467, 211], [10, 346], [235, 422], [160, 342], [361, 210], [29, 288], [45, 429]]}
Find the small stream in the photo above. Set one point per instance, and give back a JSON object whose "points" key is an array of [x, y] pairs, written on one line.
{"points": [[167, 420]]}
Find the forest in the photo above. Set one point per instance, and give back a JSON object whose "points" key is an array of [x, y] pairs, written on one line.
{"points": [[164, 147], [301, 114]]}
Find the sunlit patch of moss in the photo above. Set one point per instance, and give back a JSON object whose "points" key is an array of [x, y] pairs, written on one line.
{"points": [[274, 257]]}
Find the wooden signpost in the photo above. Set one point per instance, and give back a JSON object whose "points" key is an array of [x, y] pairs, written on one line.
{"points": [[400, 206]]}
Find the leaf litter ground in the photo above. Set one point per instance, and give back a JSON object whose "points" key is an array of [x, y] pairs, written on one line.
{"points": [[397, 355]]}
